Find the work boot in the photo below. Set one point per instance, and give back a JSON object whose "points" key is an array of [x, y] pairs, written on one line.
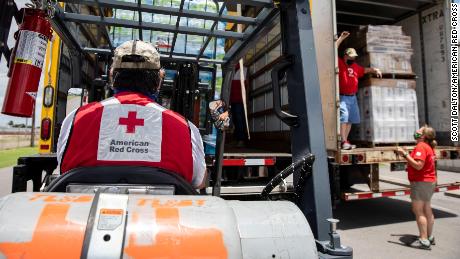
{"points": [[421, 244]]}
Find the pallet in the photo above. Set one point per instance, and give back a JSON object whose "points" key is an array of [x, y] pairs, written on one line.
{"points": [[397, 75], [361, 143]]}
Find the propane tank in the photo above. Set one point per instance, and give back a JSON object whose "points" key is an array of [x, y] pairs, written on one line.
{"points": [[26, 63], [70, 225]]}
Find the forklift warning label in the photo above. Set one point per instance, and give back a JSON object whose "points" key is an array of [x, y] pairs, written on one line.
{"points": [[110, 219], [130, 133], [31, 48]]}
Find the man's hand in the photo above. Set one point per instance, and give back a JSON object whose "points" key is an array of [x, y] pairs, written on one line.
{"points": [[344, 35], [223, 116], [377, 72], [373, 70]]}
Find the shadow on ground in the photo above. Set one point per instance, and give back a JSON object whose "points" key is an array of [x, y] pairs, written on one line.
{"points": [[377, 212], [404, 239]]}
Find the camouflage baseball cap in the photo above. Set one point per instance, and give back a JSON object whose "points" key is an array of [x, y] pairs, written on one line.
{"points": [[351, 52], [136, 54]]}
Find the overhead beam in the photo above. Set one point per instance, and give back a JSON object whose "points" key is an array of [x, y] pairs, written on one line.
{"points": [[91, 19], [267, 19], [380, 4], [98, 51], [349, 24], [191, 59], [164, 57], [166, 11], [366, 15], [259, 3]]}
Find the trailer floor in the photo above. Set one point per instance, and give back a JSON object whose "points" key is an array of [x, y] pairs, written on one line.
{"points": [[376, 227]]}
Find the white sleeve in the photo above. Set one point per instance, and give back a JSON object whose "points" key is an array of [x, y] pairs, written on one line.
{"points": [[64, 136], [199, 164]]}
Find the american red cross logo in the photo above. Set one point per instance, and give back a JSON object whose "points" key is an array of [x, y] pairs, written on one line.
{"points": [[131, 122]]}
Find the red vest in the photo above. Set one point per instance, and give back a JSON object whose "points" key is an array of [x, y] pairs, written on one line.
{"points": [[129, 129]]}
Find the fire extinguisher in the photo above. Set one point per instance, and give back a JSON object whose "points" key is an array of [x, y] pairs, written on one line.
{"points": [[26, 63]]}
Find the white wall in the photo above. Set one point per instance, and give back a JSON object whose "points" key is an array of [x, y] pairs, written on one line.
{"points": [[436, 71]]}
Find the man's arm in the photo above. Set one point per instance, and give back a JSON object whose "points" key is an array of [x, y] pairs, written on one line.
{"points": [[342, 37], [373, 70], [199, 164]]}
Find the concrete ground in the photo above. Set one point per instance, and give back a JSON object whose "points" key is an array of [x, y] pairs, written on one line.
{"points": [[377, 228]]}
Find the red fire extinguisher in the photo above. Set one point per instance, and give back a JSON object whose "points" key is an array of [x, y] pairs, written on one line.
{"points": [[26, 63]]}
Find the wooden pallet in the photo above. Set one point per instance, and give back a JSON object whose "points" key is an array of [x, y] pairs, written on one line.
{"points": [[398, 75], [361, 143]]}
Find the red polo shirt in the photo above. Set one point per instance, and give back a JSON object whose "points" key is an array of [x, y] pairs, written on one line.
{"points": [[349, 76], [423, 152]]}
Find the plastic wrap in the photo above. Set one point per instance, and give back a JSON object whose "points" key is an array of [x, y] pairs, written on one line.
{"points": [[388, 111]]}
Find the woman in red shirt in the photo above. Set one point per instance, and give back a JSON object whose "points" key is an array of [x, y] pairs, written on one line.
{"points": [[422, 177]]}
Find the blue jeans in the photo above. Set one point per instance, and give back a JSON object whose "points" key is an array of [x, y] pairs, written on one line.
{"points": [[349, 110], [239, 121]]}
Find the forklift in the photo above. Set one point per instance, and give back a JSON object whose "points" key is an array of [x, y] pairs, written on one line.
{"points": [[147, 212]]}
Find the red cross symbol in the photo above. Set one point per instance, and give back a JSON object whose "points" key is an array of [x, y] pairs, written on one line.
{"points": [[131, 122]]}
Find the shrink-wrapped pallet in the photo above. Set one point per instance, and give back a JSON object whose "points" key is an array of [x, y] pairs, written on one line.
{"points": [[384, 47], [388, 111]]}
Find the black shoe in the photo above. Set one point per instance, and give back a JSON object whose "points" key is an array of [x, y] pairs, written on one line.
{"points": [[420, 245]]}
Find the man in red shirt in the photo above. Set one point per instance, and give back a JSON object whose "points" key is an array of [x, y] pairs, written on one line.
{"points": [[349, 74]]}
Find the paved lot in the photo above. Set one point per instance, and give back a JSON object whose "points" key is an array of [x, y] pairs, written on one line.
{"points": [[376, 228]]}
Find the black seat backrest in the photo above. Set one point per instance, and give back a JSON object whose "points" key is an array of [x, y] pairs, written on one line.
{"points": [[121, 175]]}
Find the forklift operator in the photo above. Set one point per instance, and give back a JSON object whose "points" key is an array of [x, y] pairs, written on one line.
{"points": [[130, 128]]}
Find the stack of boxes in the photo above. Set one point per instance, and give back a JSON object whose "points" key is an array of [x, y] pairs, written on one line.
{"points": [[385, 47], [388, 106]]}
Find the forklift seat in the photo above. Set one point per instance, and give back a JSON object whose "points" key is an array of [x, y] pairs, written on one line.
{"points": [[124, 175]]}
